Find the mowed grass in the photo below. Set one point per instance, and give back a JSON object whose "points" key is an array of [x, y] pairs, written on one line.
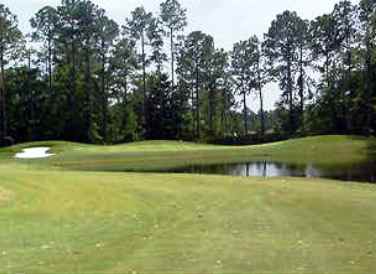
{"points": [[72, 222], [57, 219], [324, 151]]}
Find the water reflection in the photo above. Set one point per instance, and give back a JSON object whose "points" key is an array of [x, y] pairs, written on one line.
{"points": [[365, 172]]}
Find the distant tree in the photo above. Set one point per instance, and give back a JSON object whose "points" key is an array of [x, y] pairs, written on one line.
{"points": [[160, 124], [108, 31], [242, 60], [260, 76], [282, 48], [368, 23], [137, 27], [44, 24], [88, 32], [155, 37], [10, 37], [123, 65], [27, 103], [69, 40], [196, 53], [175, 19], [345, 17], [27, 54], [324, 41], [323, 44], [304, 62], [228, 101], [86, 82], [216, 76]]}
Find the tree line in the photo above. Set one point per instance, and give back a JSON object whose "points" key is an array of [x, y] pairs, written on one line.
{"points": [[80, 76]]}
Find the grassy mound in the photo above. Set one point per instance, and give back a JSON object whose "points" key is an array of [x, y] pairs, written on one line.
{"points": [[158, 155]]}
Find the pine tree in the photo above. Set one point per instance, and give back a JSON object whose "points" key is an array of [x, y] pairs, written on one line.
{"points": [[10, 39], [175, 19]]}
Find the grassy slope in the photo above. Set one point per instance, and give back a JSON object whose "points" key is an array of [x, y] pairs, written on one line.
{"points": [[54, 221], [153, 156]]}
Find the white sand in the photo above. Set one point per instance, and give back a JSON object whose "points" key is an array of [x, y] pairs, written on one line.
{"points": [[34, 153]]}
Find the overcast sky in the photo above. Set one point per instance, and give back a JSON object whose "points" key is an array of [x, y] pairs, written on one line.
{"points": [[228, 21]]}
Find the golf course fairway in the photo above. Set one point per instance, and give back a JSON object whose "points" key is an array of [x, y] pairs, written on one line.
{"points": [[77, 212]]}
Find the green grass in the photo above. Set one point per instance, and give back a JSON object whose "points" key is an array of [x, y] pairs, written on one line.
{"points": [[158, 155], [57, 218]]}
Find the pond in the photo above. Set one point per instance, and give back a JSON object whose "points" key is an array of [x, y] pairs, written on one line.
{"points": [[364, 172]]}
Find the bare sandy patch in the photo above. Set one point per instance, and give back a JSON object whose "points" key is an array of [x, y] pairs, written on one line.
{"points": [[34, 153]]}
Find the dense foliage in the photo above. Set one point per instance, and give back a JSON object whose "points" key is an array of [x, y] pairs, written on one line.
{"points": [[79, 76]]}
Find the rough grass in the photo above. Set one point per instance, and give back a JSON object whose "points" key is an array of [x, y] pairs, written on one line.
{"points": [[64, 221]]}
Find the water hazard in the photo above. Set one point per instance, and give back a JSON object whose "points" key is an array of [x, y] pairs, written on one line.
{"points": [[365, 172]]}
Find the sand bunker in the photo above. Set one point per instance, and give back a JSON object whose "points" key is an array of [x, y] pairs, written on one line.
{"points": [[34, 153]]}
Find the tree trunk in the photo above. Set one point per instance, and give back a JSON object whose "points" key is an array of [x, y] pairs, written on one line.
{"points": [[50, 64], [104, 97], [193, 108], [367, 84], [262, 113], [290, 95], [88, 110], [144, 77], [301, 87], [343, 102], [125, 87], [172, 57], [70, 123], [30, 99], [211, 108], [327, 64], [73, 73], [125, 102], [224, 111], [262, 117], [197, 104], [3, 116], [245, 111], [349, 85]]}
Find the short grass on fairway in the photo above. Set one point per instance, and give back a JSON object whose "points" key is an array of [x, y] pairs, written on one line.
{"points": [[74, 222], [325, 151]]}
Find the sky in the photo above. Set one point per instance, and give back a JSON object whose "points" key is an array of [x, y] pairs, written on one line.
{"points": [[228, 21]]}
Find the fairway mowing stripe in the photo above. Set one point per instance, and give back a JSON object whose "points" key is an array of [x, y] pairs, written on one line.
{"points": [[5, 196]]}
